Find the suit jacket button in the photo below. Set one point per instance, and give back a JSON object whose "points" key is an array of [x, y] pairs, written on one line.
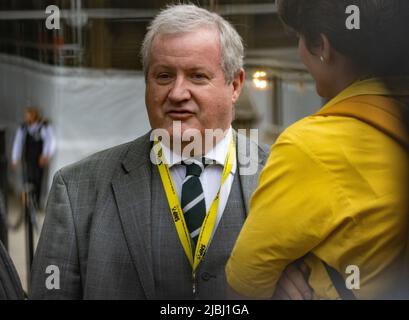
{"points": [[207, 276]]}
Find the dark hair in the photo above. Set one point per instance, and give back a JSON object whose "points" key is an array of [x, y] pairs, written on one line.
{"points": [[380, 46]]}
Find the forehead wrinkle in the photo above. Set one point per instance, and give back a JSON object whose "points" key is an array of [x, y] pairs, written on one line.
{"points": [[188, 63], [200, 34]]}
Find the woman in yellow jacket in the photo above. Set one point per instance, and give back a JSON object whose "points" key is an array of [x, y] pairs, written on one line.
{"points": [[332, 192]]}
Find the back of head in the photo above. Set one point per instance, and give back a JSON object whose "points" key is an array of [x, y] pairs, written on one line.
{"points": [[185, 18], [379, 47]]}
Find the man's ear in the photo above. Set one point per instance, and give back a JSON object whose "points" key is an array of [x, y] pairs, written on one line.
{"points": [[325, 48], [238, 84]]}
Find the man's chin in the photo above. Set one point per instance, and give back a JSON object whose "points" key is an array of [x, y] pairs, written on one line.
{"points": [[180, 130], [180, 135]]}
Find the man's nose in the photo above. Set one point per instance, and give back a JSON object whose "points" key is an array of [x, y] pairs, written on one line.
{"points": [[179, 91]]}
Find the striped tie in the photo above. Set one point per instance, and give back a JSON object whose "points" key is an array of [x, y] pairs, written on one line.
{"points": [[193, 200]]}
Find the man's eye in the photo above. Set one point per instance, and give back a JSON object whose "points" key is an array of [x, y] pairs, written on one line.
{"points": [[199, 76], [163, 76]]}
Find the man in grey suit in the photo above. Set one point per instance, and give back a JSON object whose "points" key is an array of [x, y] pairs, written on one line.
{"points": [[109, 232]]}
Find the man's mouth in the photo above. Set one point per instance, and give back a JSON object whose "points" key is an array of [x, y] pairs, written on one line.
{"points": [[180, 114]]}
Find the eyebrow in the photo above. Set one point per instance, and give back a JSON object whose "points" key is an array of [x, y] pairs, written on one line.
{"points": [[167, 67]]}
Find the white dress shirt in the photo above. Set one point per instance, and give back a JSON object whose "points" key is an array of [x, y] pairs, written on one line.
{"points": [[47, 135], [210, 177]]}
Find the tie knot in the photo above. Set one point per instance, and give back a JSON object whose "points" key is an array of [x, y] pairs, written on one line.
{"points": [[193, 169]]}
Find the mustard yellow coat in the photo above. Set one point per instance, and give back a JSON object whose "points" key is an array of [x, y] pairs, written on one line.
{"points": [[332, 191]]}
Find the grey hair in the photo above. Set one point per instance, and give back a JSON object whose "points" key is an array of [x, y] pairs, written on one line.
{"points": [[182, 17]]}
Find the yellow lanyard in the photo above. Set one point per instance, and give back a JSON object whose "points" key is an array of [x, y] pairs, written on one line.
{"points": [[176, 209]]}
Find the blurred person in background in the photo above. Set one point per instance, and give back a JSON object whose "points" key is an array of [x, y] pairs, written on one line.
{"points": [[333, 192], [33, 147]]}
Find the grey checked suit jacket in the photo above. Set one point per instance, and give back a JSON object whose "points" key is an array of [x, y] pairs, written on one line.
{"points": [[108, 230]]}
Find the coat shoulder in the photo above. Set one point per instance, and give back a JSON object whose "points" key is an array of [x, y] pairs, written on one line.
{"points": [[103, 163]]}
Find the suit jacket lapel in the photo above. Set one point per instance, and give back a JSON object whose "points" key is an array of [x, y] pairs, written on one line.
{"points": [[132, 189]]}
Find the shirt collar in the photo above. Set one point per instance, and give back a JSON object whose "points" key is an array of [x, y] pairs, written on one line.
{"points": [[217, 154], [397, 87]]}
